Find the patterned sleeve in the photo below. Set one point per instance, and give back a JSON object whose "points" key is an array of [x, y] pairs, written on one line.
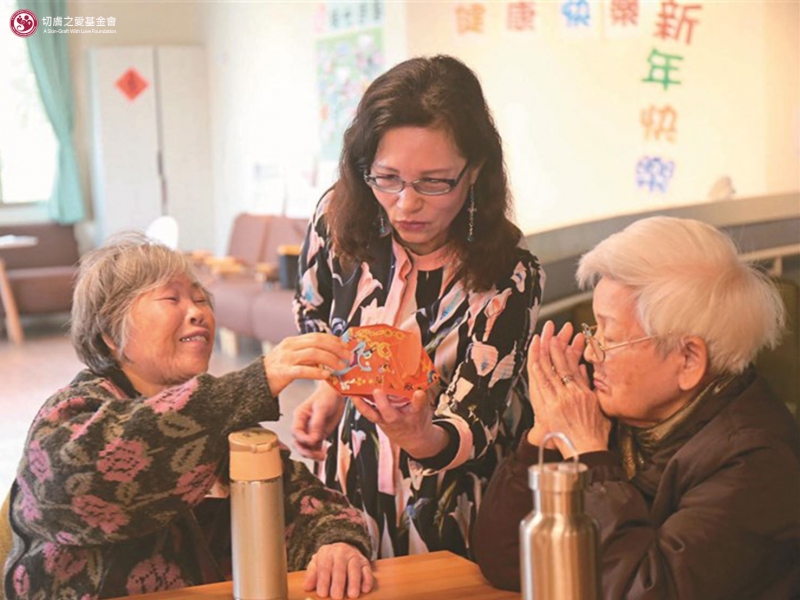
{"points": [[100, 467], [316, 516], [497, 328], [314, 295]]}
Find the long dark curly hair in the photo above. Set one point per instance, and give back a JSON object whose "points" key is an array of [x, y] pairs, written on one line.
{"points": [[437, 92]]}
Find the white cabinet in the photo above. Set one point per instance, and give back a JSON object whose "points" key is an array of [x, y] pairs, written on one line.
{"points": [[151, 146]]}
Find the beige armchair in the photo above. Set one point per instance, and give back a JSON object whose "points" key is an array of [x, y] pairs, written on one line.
{"points": [[251, 298]]}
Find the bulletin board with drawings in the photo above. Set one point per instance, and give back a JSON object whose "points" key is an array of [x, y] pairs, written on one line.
{"points": [[349, 55], [620, 106]]}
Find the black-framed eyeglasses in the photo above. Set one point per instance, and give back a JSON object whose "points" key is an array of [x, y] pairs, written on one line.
{"points": [[427, 186], [598, 349]]}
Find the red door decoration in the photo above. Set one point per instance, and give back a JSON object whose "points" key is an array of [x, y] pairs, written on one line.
{"points": [[131, 84]]}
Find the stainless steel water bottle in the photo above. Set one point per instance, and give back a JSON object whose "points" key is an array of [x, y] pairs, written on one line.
{"points": [[559, 542], [257, 519]]}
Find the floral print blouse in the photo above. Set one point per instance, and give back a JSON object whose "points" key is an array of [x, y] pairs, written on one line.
{"points": [[110, 494], [478, 342]]}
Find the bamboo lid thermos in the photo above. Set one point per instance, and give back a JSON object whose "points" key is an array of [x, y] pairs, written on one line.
{"points": [[257, 519]]}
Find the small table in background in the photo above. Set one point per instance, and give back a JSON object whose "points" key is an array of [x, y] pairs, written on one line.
{"points": [[7, 242]]}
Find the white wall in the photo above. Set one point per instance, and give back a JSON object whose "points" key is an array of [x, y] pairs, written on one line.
{"points": [[568, 107], [263, 104], [557, 102], [265, 109], [782, 85]]}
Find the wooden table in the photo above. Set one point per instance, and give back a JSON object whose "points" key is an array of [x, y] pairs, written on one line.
{"points": [[6, 295], [435, 576]]}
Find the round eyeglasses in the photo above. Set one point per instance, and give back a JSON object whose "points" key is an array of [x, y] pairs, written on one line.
{"points": [[427, 186], [598, 349]]}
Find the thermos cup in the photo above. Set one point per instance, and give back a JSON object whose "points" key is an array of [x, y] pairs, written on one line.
{"points": [[257, 519], [559, 542]]}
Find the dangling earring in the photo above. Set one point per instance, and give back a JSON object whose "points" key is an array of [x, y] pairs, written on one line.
{"points": [[381, 223], [471, 210]]}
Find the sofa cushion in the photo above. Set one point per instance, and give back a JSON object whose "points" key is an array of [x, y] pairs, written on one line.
{"points": [[272, 315], [248, 238], [233, 298], [248, 307], [283, 231]]}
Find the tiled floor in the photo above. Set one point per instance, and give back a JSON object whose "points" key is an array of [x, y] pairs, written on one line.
{"points": [[45, 362]]}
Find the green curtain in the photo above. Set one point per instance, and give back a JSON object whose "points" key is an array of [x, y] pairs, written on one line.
{"points": [[50, 59]]}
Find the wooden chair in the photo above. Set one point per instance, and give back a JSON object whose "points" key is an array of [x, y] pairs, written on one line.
{"points": [[39, 276]]}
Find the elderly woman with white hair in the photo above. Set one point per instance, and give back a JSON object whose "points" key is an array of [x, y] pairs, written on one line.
{"points": [[694, 466], [113, 493]]}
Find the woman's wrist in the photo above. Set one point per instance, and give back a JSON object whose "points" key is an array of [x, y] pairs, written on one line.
{"points": [[429, 444], [326, 391]]}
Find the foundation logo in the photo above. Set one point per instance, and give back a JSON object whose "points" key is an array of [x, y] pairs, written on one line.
{"points": [[24, 23]]}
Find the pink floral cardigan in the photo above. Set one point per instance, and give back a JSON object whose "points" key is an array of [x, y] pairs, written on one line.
{"points": [[110, 495]]}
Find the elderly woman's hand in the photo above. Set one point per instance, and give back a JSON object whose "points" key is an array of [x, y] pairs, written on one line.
{"points": [[561, 396], [308, 356], [409, 424], [337, 569], [541, 426], [314, 420]]}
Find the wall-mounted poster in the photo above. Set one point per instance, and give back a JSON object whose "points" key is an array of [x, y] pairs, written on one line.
{"points": [[346, 65], [347, 14]]}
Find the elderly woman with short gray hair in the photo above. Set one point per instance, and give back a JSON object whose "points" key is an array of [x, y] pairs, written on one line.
{"points": [[113, 494], [698, 492]]}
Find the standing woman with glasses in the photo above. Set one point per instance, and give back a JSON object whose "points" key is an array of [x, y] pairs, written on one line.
{"points": [[416, 234], [698, 493]]}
